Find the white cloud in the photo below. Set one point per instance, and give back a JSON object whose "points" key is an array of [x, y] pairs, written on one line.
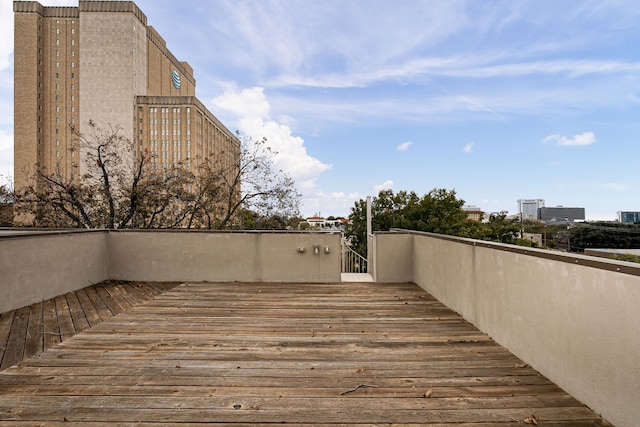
{"points": [[335, 203], [404, 146], [387, 185], [6, 34], [253, 111], [585, 138], [469, 147], [6, 154]]}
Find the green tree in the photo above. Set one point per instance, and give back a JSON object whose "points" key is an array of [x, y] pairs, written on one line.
{"points": [[438, 211], [501, 229], [605, 235]]}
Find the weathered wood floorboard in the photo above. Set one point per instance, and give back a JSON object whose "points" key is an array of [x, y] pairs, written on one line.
{"points": [[251, 354], [29, 330]]}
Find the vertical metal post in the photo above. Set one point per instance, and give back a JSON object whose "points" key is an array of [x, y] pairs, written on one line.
{"points": [[370, 266], [369, 231]]}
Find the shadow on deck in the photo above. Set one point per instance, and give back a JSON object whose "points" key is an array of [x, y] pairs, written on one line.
{"points": [[259, 353]]}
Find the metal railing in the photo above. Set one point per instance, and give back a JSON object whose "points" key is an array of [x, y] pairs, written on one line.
{"points": [[352, 262]]}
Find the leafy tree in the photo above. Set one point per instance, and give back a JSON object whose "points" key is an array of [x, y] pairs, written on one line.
{"points": [[123, 189], [627, 257], [501, 229], [438, 211], [605, 235]]}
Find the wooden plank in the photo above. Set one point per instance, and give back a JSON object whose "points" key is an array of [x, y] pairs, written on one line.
{"points": [[16, 342], [114, 306], [35, 337], [101, 308], [51, 331], [89, 310], [117, 295], [126, 295], [6, 320], [254, 353], [65, 323], [80, 322]]}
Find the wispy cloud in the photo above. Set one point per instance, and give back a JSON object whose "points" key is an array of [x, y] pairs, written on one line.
{"points": [[585, 138], [387, 185], [469, 147], [404, 146]]}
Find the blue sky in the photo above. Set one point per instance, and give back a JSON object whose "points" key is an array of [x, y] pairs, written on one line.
{"points": [[499, 100]]}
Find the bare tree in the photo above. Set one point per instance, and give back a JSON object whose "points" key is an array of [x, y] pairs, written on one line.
{"points": [[257, 186], [7, 197], [122, 188]]}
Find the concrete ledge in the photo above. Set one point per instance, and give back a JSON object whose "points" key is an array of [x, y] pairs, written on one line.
{"points": [[572, 317], [36, 265]]}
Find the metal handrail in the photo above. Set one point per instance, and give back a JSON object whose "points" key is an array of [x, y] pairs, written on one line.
{"points": [[352, 262]]}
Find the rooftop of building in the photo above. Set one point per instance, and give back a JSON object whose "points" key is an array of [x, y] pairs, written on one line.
{"points": [[247, 328], [254, 353]]}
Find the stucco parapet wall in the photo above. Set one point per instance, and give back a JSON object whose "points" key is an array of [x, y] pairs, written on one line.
{"points": [[205, 231], [45, 11], [186, 100], [29, 233], [623, 267]]}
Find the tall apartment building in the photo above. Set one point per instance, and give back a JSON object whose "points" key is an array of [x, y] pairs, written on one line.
{"points": [[528, 208], [101, 62]]}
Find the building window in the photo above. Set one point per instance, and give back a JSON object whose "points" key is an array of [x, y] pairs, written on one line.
{"points": [[57, 64], [57, 30], [73, 42], [73, 31], [57, 42], [57, 53], [73, 109]]}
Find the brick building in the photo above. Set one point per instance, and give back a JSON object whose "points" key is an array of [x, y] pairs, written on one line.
{"points": [[100, 61]]}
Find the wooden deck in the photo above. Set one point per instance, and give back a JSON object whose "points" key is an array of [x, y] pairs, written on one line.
{"points": [[250, 354]]}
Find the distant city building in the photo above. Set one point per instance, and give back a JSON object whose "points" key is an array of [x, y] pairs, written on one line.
{"points": [[560, 214], [474, 213], [528, 208], [628, 217], [320, 223]]}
